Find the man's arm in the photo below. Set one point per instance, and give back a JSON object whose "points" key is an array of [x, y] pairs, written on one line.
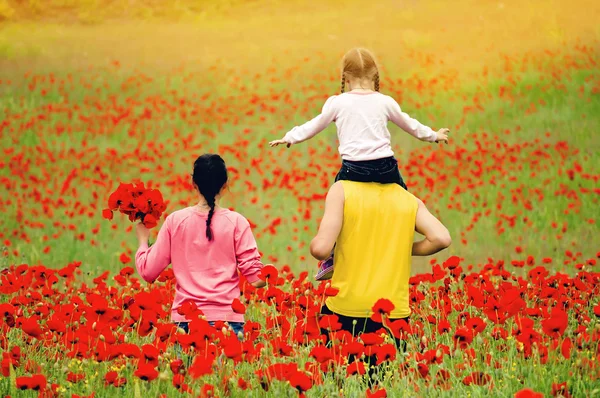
{"points": [[331, 224], [437, 237]]}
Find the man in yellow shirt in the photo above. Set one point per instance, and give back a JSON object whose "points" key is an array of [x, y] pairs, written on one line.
{"points": [[372, 227]]}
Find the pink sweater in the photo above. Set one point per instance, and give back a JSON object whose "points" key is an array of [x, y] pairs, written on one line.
{"points": [[206, 272]]}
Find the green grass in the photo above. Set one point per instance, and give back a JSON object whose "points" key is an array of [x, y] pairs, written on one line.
{"points": [[102, 151]]}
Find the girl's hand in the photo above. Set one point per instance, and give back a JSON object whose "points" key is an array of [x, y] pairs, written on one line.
{"points": [[142, 232], [442, 135], [279, 142]]}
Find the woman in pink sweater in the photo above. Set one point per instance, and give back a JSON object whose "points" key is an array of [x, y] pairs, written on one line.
{"points": [[207, 246]]}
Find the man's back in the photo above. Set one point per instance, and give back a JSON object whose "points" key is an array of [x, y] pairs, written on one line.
{"points": [[373, 251]]}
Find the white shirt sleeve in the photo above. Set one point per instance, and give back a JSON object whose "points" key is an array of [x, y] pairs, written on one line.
{"points": [[314, 126], [408, 124]]}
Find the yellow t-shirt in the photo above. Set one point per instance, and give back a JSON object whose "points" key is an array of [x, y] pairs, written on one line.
{"points": [[373, 252]]}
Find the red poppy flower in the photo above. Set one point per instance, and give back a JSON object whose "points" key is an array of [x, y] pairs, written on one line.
{"points": [[442, 374], [110, 377], [443, 326], [75, 377], [378, 393], [177, 366], [23, 382], [477, 378], [189, 309], [423, 370], [382, 308], [207, 391], [146, 371], [150, 354], [556, 324], [238, 307], [452, 262], [268, 273], [107, 214], [386, 352], [321, 354], [330, 322], [142, 203], [560, 390], [35, 382], [6, 364], [301, 382], [463, 337], [150, 221], [400, 328], [371, 339], [31, 327], [476, 324], [528, 393], [243, 384], [178, 380], [280, 371], [201, 366], [232, 348], [499, 333], [115, 199], [92, 395], [281, 347], [353, 348], [355, 368], [124, 258], [340, 336]]}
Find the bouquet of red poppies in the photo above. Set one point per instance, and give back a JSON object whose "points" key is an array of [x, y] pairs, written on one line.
{"points": [[137, 202]]}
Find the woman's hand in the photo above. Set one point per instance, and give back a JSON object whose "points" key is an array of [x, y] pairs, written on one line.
{"points": [[142, 232], [442, 135], [279, 142]]}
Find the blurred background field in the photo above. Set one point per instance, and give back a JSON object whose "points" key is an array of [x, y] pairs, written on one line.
{"points": [[465, 34], [94, 93]]}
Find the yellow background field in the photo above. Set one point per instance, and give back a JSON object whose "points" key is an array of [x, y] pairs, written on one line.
{"points": [[459, 35]]}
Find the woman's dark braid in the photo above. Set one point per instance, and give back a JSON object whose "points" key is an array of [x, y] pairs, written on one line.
{"points": [[377, 81], [210, 176], [211, 202], [343, 84]]}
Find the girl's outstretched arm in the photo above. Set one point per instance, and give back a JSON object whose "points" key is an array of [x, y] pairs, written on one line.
{"points": [[151, 261], [311, 128], [408, 124]]}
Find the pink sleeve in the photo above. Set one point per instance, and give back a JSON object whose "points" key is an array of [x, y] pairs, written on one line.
{"points": [[408, 124], [314, 126], [151, 261], [246, 252]]}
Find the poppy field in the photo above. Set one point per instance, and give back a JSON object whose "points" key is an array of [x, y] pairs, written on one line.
{"points": [[512, 308]]}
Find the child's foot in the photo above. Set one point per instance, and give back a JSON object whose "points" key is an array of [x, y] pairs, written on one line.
{"points": [[325, 270]]}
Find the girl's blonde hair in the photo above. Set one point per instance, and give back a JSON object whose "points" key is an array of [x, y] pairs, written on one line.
{"points": [[360, 63]]}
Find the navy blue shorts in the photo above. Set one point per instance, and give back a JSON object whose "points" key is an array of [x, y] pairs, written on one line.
{"points": [[383, 171]]}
